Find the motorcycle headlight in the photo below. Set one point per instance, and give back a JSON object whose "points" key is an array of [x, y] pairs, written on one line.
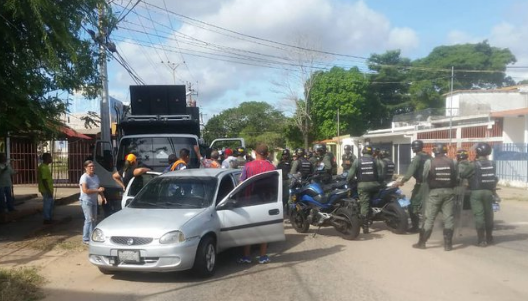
{"points": [[172, 237], [98, 235]]}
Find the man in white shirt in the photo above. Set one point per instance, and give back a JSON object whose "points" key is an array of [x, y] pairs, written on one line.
{"points": [[229, 158]]}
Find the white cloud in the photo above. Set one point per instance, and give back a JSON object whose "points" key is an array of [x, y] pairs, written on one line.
{"points": [[460, 37], [514, 37], [331, 25]]}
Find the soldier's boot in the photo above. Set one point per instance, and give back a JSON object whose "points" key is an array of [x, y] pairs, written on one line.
{"points": [[448, 239], [481, 238], [422, 239], [415, 220], [365, 221], [489, 235]]}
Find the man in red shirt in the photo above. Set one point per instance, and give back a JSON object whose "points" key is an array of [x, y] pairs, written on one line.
{"points": [[257, 166]]}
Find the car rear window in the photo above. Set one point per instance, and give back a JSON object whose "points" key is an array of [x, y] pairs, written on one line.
{"points": [[176, 193]]}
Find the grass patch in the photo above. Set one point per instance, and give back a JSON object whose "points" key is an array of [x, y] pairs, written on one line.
{"points": [[20, 284]]}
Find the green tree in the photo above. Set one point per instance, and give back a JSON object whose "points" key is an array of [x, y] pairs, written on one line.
{"points": [[348, 91], [254, 121], [476, 66], [390, 85], [44, 52]]}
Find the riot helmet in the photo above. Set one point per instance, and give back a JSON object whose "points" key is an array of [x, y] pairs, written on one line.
{"points": [[384, 153], [286, 153], [348, 148], [417, 145], [320, 148], [462, 154], [440, 148], [483, 149], [375, 151], [367, 150], [300, 152]]}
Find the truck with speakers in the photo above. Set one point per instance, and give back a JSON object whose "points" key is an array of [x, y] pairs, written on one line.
{"points": [[158, 123]]}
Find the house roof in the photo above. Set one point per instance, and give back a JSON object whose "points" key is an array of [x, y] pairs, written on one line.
{"points": [[514, 112], [71, 133], [509, 89]]}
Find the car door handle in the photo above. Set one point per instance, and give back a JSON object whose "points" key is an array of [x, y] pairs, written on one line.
{"points": [[274, 212]]}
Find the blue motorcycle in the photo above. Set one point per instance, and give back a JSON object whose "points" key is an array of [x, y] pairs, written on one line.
{"points": [[311, 205], [388, 205]]}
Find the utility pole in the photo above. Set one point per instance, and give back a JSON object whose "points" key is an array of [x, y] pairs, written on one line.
{"points": [[190, 93], [451, 106], [105, 102], [173, 67]]}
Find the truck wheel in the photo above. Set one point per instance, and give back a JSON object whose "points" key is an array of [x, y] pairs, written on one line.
{"points": [[205, 261], [298, 221], [349, 228], [396, 218]]}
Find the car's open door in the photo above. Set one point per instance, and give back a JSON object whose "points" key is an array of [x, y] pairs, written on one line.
{"points": [[135, 185], [252, 213]]}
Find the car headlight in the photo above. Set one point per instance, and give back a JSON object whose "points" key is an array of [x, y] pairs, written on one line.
{"points": [[98, 235], [172, 237]]}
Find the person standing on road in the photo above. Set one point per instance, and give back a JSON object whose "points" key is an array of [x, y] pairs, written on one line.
{"points": [[367, 170], [228, 154], [181, 164], [6, 185], [418, 193], [89, 184], [301, 165], [441, 176], [348, 158], [388, 165], [285, 165], [129, 170], [481, 175], [327, 160], [45, 186], [255, 167]]}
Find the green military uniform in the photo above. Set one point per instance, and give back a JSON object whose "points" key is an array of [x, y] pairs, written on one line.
{"points": [[481, 203], [388, 169], [347, 160], [441, 176], [366, 189], [328, 168], [419, 191]]}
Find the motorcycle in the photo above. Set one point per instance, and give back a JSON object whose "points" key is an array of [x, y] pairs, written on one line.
{"points": [[310, 205], [388, 205]]}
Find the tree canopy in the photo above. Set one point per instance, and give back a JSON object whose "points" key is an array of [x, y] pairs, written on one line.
{"points": [[256, 122], [45, 52]]}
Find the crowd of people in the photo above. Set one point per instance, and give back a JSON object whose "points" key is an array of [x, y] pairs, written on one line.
{"points": [[439, 180]]}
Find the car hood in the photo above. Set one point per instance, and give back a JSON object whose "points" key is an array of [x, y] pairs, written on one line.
{"points": [[146, 222]]}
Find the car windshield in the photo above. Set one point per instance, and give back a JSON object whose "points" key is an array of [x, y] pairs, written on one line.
{"points": [[176, 192]]}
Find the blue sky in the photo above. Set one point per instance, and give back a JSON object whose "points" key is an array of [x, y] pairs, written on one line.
{"points": [[204, 39]]}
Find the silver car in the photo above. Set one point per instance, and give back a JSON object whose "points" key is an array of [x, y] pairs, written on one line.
{"points": [[181, 220]]}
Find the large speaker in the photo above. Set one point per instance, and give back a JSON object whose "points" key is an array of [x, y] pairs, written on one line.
{"points": [[176, 100], [158, 100], [139, 100]]}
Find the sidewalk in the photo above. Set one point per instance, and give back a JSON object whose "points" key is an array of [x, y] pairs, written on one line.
{"points": [[28, 201]]}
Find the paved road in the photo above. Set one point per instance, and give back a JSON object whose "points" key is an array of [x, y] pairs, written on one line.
{"points": [[379, 266]]}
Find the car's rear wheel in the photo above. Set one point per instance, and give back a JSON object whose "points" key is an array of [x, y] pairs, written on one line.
{"points": [[205, 261]]}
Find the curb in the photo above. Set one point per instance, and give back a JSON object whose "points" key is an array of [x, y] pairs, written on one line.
{"points": [[13, 216]]}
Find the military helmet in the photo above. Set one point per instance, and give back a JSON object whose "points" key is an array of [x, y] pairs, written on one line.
{"points": [[300, 152], [483, 149], [384, 153], [239, 151], [417, 145], [440, 148], [375, 151], [367, 150], [286, 152], [348, 148], [462, 154], [320, 148]]}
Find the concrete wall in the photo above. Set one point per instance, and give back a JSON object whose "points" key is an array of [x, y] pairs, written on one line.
{"points": [[483, 103], [513, 129]]}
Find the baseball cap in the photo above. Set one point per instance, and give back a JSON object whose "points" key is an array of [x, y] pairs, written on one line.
{"points": [[131, 158], [228, 152]]}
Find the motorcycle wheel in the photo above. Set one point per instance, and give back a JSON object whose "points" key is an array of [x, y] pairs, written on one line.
{"points": [[298, 221], [349, 229], [396, 218]]}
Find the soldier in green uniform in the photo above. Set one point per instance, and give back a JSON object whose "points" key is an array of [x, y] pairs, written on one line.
{"points": [[482, 180], [388, 165], [312, 158], [416, 170], [441, 176], [367, 171], [348, 158], [462, 164], [327, 160], [301, 165]]}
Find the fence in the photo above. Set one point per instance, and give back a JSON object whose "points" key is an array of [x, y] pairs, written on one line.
{"points": [[512, 161]]}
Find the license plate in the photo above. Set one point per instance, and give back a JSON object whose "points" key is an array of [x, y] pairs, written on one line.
{"points": [[404, 202], [129, 256]]}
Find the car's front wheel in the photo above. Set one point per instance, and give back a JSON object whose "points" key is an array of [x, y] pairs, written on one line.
{"points": [[205, 261]]}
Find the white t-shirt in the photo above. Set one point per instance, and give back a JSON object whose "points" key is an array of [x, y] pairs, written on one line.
{"points": [[92, 183], [227, 162]]}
